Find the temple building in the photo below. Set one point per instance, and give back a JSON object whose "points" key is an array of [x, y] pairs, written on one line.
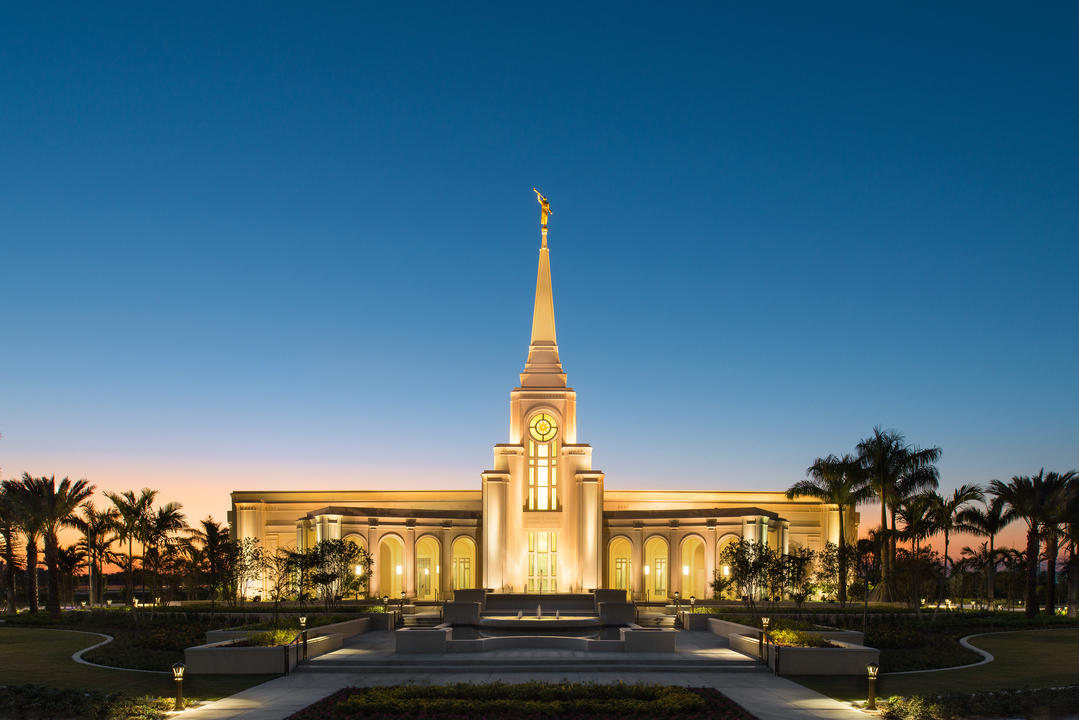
{"points": [[542, 519]]}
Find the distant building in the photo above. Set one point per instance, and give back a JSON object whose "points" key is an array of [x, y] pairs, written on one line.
{"points": [[542, 520]]}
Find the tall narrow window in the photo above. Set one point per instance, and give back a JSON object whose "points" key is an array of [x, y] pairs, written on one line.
{"points": [[543, 463]]}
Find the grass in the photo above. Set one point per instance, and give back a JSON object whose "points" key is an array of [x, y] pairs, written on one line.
{"points": [[43, 657], [1021, 660]]}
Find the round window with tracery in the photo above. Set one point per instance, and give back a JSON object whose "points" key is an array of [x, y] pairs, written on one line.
{"points": [[543, 427]]}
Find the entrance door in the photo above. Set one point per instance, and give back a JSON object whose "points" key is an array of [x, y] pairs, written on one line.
{"points": [[423, 579], [543, 562]]}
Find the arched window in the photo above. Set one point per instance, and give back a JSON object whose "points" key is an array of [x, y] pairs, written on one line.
{"points": [[542, 462]]}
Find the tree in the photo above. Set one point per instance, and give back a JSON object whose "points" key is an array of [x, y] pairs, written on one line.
{"points": [[919, 523], [335, 564], [1055, 514], [1027, 497], [988, 522], [841, 482], [28, 518], [798, 575], [130, 528], [53, 505], [748, 561], [720, 584], [980, 559], [216, 556], [161, 531], [248, 563], [9, 543], [280, 570], [946, 515], [96, 527], [895, 469], [68, 561]]}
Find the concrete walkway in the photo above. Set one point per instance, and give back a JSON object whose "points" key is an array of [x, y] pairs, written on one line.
{"points": [[700, 662]]}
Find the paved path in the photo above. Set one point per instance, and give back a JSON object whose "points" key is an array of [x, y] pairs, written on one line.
{"points": [[766, 696]]}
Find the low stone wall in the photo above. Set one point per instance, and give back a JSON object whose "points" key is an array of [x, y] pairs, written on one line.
{"points": [[638, 639], [848, 659], [617, 613], [218, 659], [536, 641], [726, 628], [461, 613], [422, 639]]}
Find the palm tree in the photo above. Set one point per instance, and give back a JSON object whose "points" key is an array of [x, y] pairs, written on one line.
{"points": [[919, 523], [896, 470], [130, 528], [981, 559], [9, 536], [1027, 498], [55, 504], [840, 482], [215, 553], [988, 523], [947, 511], [97, 528], [160, 534], [1058, 489], [29, 519], [68, 561]]}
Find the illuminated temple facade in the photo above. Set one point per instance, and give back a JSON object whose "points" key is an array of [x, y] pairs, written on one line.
{"points": [[542, 519]]}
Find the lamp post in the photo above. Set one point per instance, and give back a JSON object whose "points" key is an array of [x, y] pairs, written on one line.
{"points": [[303, 631], [764, 631], [872, 669], [385, 603], [178, 676], [676, 600]]}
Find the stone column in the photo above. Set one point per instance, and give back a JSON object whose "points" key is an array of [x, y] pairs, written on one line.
{"points": [[674, 562], [409, 559], [493, 545], [637, 561], [445, 575], [709, 556]]}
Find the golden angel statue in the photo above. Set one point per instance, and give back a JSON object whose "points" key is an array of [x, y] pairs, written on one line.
{"points": [[545, 207]]}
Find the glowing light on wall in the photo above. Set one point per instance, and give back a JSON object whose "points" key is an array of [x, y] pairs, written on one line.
{"points": [[726, 570], [359, 569], [646, 569], [685, 569], [398, 569]]}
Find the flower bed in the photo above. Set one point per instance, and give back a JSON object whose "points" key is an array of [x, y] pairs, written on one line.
{"points": [[499, 701]]}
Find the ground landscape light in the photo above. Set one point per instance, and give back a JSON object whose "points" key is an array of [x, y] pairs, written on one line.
{"points": [[178, 676], [872, 669], [303, 621]]}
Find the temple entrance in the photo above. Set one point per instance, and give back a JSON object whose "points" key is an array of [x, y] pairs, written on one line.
{"points": [[543, 561]]}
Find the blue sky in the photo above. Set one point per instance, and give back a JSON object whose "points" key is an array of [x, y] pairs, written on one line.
{"points": [[263, 246]]}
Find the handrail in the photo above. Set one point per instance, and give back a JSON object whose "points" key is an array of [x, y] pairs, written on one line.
{"points": [[287, 646]]}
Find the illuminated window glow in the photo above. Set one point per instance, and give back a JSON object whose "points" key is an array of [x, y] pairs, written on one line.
{"points": [[543, 464]]}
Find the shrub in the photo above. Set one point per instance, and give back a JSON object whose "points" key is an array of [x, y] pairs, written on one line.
{"points": [[268, 638], [1054, 702], [467, 701], [894, 637], [31, 702], [799, 638]]}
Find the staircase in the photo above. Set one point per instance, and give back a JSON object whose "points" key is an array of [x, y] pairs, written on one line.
{"points": [[656, 620]]}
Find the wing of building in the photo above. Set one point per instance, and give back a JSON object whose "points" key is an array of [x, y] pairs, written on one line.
{"points": [[542, 519]]}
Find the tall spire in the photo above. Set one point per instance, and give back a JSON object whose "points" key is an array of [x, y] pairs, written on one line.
{"points": [[543, 368]]}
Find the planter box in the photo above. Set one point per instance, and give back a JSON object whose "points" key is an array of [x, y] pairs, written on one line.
{"points": [[215, 659], [849, 659], [347, 629], [726, 628]]}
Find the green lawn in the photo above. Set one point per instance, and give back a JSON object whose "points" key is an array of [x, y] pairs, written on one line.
{"points": [[1022, 660], [43, 657]]}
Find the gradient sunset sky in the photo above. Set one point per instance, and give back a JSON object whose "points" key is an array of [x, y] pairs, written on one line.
{"points": [[258, 246]]}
